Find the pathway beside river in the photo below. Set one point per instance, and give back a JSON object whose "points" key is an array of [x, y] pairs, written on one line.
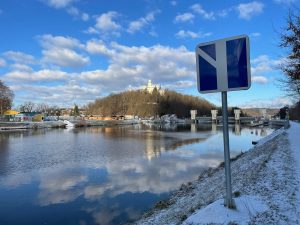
{"points": [[268, 171]]}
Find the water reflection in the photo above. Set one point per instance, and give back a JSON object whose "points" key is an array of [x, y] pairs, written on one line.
{"points": [[104, 175]]}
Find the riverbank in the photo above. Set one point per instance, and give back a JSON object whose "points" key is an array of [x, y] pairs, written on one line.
{"points": [[267, 171], [12, 126]]}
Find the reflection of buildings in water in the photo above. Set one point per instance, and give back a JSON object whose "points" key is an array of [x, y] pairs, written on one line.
{"points": [[154, 148], [193, 128], [263, 132], [107, 130], [237, 129], [151, 151], [214, 127]]}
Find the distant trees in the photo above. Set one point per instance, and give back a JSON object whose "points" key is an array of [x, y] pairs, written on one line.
{"points": [[44, 108], [27, 107], [144, 104], [6, 97], [75, 111], [283, 112], [290, 40], [294, 112]]}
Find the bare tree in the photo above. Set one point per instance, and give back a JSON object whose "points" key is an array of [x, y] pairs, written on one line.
{"points": [[27, 107], [290, 40], [42, 107], [6, 97]]}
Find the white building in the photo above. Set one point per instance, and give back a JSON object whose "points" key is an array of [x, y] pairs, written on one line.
{"points": [[150, 87]]}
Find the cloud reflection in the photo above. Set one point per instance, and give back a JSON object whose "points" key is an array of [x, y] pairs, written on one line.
{"points": [[123, 164]]}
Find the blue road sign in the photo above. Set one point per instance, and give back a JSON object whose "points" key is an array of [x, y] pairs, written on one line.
{"points": [[223, 65]]}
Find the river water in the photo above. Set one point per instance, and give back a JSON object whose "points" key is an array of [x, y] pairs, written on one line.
{"points": [[105, 175]]}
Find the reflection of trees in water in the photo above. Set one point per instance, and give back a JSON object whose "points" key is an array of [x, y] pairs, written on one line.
{"points": [[4, 152], [132, 175], [7, 138], [155, 139]]}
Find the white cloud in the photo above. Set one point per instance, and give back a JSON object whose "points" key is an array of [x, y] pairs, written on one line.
{"points": [[197, 8], [105, 21], [67, 5], [20, 57], [2, 62], [248, 10], [77, 13], [20, 67], [64, 57], [48, 41], [106, 25], [91, 30], [41, 75], [98, 47], [63, 95], [181, 85], [59, 3], [133, 66], [59, 50], [137, 25], [224, 12], [185, 17], [128, 66], [276, 102], [259, 79], [263, 64], [85, 16], [191, 34]]}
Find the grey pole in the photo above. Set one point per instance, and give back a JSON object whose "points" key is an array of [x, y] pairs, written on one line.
{"points": [[229, 202]]}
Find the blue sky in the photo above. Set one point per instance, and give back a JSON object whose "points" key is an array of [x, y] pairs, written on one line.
{"points": [[63, 52]]}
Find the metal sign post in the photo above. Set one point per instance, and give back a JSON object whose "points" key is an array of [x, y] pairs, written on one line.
{"points": [[222, 66], [229, 202]]}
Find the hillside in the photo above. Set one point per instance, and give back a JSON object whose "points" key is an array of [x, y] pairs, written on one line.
{"points": [[144, 104], [257, 111]]}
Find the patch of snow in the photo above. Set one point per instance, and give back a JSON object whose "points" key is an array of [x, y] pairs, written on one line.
{"points": [[216, 213], [267, 170], [294, 139], [271, 136]]}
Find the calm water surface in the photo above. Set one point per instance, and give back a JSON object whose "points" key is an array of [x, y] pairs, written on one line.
{"points": [[104, 175]]}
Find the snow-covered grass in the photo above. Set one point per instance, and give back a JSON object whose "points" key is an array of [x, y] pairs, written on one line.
{"points": [[268, 171], [216, 213], [294, 139]]}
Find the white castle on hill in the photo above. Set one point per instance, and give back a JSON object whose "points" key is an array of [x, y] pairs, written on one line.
{"points": [[150, 87]]}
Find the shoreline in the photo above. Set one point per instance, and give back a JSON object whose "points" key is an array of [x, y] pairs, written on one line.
{"points": [[266, 170], [23, 126]]}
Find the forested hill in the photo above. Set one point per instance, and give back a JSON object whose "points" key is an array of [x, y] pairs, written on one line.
{"points": [[144, 104]]}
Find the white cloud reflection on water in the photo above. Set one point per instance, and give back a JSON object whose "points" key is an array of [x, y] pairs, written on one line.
{"points": [[95, 181]]}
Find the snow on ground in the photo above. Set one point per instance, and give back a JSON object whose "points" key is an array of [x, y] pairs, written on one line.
{"points": [[216, 213], [267, 171], [294, 139]]}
